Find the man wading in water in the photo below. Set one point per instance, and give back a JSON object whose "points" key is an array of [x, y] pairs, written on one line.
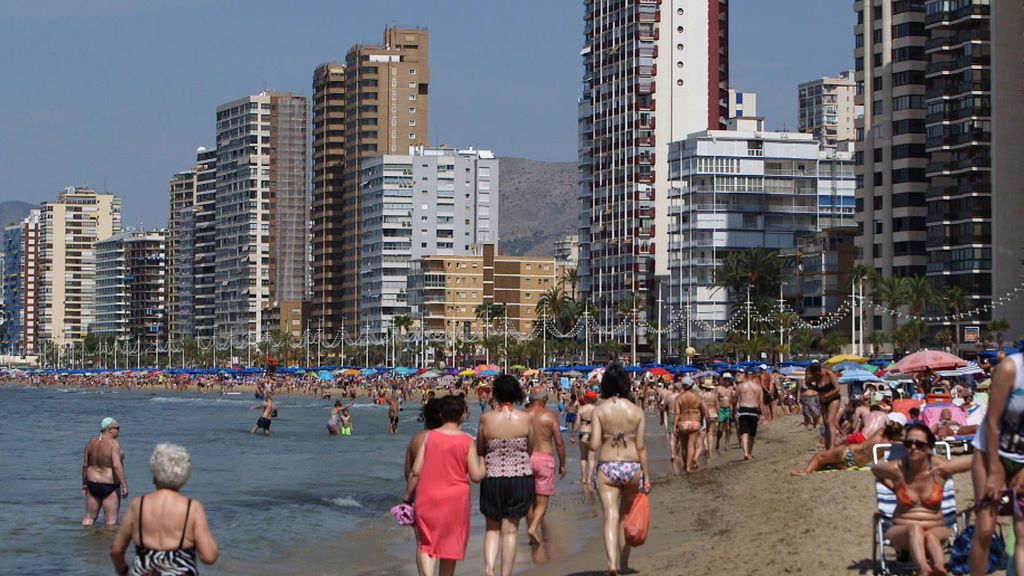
{"points": [[103, 480], [269, 411]]}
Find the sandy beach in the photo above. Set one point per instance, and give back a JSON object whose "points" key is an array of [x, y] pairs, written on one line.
{"points": [[753, 518]]}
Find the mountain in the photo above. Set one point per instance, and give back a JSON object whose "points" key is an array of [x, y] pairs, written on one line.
{"points": [[538, 205], [13, 210]]}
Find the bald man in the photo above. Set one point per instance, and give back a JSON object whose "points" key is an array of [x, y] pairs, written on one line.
{"points": [[542, 459]]}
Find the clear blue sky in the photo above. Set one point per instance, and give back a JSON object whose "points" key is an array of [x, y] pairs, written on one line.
{"points": [[118, 93]]}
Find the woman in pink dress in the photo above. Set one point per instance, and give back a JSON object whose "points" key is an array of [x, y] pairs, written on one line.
{"points": [[439, 489]]}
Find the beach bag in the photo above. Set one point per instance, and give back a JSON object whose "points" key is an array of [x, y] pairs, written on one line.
{"points": [[961, 552], [404, 514], [637, 521]]}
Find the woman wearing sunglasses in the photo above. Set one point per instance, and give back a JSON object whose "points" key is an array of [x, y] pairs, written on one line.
{"points": [[918, 480]]}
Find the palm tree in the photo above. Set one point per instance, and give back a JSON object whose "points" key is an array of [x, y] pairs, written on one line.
{"points": [[953, 301], [833, 342], [801, 341], [611, 348], [763, 270], [730, 276], [402, 323], [920, 294], [553, 304], [1000, 327], [945, 337], [877, 340], [573, 278], [891, 291]]}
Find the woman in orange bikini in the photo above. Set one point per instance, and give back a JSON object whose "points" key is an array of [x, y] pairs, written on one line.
{"points": [[918, 481]]}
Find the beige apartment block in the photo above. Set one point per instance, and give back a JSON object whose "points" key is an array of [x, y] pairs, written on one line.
{"points": [[827, 108], [375, 104], [446, 290], [70, 228]]}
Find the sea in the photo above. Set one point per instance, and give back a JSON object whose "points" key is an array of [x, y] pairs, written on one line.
{"points": [[297, 502]]}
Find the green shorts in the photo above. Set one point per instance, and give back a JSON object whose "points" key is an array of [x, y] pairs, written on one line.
{"points": [[346, 430], [724, 415]]}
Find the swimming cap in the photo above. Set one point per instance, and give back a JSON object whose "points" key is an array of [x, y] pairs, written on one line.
{"points": [[105, 423]]}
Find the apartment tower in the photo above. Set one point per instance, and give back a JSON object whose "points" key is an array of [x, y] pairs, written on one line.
{"points": [[889, 66], [1007, 22], [827, 108], [204, 263], [131, 288], [959, 129], [654, 72], [261, 210], [375, 104], [20, 319], [181, 231], [69, 230]]}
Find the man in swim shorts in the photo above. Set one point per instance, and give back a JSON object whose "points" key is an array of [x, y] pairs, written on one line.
{"points": [[103, 479], [726, 392], [749, 402], [542, 461], [269, 408], [392, 413], [709, 430]]}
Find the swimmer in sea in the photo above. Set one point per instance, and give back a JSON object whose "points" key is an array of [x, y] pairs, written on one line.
{"points": [[269, 410], [103, 479], [392, 413], [346, 421]]}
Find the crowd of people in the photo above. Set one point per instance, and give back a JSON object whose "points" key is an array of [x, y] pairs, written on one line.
{"points": [[518, 454]]}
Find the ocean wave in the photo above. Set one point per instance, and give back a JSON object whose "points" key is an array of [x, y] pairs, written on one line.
{"points": [[344, 502]]}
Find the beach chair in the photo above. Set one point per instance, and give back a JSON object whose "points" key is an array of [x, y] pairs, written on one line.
{"points": [[888, 560], [930, 414]]}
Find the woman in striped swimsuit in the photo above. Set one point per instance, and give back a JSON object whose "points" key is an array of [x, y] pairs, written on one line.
{"points": [[170, 530]]}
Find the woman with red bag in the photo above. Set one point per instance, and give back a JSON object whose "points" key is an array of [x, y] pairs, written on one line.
{"points": [[622, 472]]}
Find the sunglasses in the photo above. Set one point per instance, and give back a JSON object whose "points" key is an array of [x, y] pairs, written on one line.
{"points": [[919, 444]]}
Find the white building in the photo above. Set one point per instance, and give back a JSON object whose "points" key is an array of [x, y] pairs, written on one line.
{"points": [[827, 108], [433, 201], [742, 103], [740, 188]]}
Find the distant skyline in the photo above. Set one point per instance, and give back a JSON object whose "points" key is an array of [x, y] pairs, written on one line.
{"points": [[117, 94]]}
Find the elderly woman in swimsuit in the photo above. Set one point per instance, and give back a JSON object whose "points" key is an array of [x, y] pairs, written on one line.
{"points": [[621, 472], [918, 482]]}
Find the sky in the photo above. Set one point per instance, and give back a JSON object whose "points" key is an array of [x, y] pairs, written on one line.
{"points": [[117, 94]]}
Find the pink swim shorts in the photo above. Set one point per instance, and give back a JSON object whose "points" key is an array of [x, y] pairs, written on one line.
{"points": [[543, 465]]}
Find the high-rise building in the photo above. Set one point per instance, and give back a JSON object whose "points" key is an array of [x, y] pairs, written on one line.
{"points": [[742, 188], [375, 104], [433, 201], [1007, 157], [69, 230], [827, 108], [204, 262], [742, 104], [959, 129], [890, 62], [181, 232], [20, 255], [131, 288], [654, 72], [261, 210]]}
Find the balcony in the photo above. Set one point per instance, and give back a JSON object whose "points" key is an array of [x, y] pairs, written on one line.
{"points": [[948, 66], [958, 39], [973, 137], [952, 16]]}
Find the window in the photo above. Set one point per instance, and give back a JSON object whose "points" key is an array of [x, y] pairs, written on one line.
{"points": [[913, 101], [908, 29]]}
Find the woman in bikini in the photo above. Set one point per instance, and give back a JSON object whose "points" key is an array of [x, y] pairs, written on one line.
{"points": [[586, 415], [918, 482], [618, 441], [824, 383], [853, 455]]}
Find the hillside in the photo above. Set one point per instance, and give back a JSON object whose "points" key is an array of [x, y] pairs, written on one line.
{"points": [[13, 210], [538, 205]]}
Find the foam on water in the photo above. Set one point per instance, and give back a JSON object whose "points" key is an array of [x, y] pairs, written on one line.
{"points": [[344, 502]]}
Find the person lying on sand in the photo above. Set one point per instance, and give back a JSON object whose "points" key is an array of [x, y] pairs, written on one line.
{"points": [[852, 455]]}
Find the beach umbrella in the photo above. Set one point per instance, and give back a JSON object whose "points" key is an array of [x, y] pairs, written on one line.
{"points": [[787, 370], [573, 374], [351, 372], [517, 367], [595, 376], [658, 372], [932, 359], [467, 372], [858, 376], [845, 358], [488, 372], [368, 372], [484, 367], [850, 365], [530, 373], [430, 374], [324, 375]]}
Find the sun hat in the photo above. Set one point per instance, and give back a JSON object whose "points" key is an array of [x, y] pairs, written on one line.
{"points": [[727, 375], [687, 382]]}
